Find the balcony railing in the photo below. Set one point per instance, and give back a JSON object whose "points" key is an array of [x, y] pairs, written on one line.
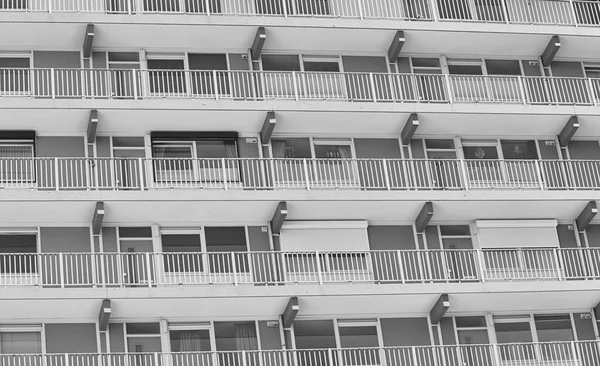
{"points": [[267, 174], [574, 353], [307, 267], [296, 85], [556, 12]]}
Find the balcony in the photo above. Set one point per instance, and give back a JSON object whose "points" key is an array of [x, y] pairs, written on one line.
{"points": [[562, 12], [575, 353], [284, 174], [307, 267], [292, 85]]}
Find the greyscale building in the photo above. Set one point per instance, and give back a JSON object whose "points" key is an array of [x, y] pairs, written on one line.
{"points": [[299, 182]]}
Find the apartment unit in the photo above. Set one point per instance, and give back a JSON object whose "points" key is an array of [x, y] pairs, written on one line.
{"points": [[299, 182]]}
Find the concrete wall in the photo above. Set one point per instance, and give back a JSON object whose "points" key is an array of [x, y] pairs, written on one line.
{"points": [[391, 237], [447, 328], [531, 70], [567, 69], [584, 150], [417, 148], [60, 146], [117, 337], [109, 239], [566, 237], [65, 239], [57, 59], [433, 238], [364, 64], [103, 146], [377, 148], [405, 332], [247, 149], [593, 235], [269, 337], [237, 62], [203, 61], [258, 240], [404, 65], [71, 338], [548, 151], [584, 326]]}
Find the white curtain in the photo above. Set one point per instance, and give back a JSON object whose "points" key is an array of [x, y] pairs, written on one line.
{"points": [[345, 152], [230, 150], [191, 341], [245, 336], [278, 148]]}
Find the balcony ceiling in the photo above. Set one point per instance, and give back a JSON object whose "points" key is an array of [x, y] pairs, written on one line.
{"points": [[266, 303], [236, 207], [467, 120], [425, 37]]}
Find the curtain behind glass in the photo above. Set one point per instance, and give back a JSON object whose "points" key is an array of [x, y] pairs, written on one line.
{"points": [[278, 148], [245, 336], [191, 341]]}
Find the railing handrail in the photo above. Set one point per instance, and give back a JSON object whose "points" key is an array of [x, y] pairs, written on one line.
{"points": [[313, 350]]}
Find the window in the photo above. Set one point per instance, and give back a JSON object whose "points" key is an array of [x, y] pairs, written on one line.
{"points": [[195, 162], [471, 330], [465, 67], [236, 336], [16, 163], [143, 337], [192, 340], [224, 240], [182, 247], [280, 62], [554, 328], [122, 78], [519, 150], [503, 67], [14, 73], [167, 76], [314, 334], [22, 342], [291, 148], [18, 254]]}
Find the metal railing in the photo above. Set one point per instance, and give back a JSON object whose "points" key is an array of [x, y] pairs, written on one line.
{"points": [[259, 173], [555, 12], [296, 85], [573, 353], [306, 267]]}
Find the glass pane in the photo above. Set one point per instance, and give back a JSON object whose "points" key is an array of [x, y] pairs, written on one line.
{"points": [[311, 334], [470, 321], [519, 150], [480, 152], [333, 152], [518, 332], [181, 243], [465, 70], [190, 340], [321, 66], [291, 148], [143, 328], [503, 67], [165, 65], [455, 230], [439, 144], [135, 232], [235, 336], [554, 328], [280, 63], [473, 336], [425, 62], [216, 149], [20, 342], [354, 337], [225, 239], [172, 151]]}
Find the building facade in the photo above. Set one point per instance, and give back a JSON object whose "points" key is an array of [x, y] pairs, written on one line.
{"points": [[299, 182]]}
